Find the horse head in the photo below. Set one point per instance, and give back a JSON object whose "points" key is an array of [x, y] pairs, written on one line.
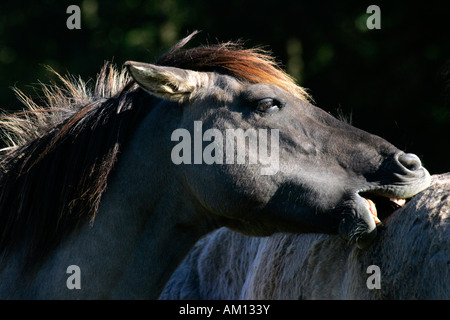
{"points": [[325, 167]]}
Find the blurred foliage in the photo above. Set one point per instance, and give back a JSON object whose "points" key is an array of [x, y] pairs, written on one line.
{"points": [[394, 81]]}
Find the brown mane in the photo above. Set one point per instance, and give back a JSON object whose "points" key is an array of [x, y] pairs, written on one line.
{"points": [[252, 65], [58, 156]]}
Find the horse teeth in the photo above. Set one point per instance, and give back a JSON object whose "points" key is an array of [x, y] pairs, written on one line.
{"points": [[399, 202], [373, 210]]}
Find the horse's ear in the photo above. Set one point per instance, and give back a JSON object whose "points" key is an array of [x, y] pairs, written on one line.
{"points": [[166, 82]]}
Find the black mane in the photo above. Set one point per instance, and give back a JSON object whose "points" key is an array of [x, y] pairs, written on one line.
{"points": [[53, 183]]}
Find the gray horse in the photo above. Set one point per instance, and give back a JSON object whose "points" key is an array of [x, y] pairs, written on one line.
{"points": [[411, 260], [102, 194]]}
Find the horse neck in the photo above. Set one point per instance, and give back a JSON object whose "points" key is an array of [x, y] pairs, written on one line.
{"points": [[144, 227], [129, 253], [154, 213], [161, 246]]}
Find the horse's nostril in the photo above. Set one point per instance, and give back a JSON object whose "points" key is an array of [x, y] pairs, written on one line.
{"points": [[410, 161]]}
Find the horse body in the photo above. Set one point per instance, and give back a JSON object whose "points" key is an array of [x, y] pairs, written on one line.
{"points": [[98, 188], [412, 257], [139, 221]]}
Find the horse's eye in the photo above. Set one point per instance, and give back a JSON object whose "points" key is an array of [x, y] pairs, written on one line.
{"points": [[269, 105]]}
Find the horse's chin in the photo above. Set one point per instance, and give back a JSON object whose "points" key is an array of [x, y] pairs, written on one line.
{"points": [[358, 224], [267, 226], [248, 228]]}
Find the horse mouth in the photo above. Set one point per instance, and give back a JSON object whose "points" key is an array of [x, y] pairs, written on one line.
{"points": [[382, 201], [382, 208], [367, 213]]}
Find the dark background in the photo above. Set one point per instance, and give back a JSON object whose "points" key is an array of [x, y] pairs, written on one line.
{"points": [[393, 82]]}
